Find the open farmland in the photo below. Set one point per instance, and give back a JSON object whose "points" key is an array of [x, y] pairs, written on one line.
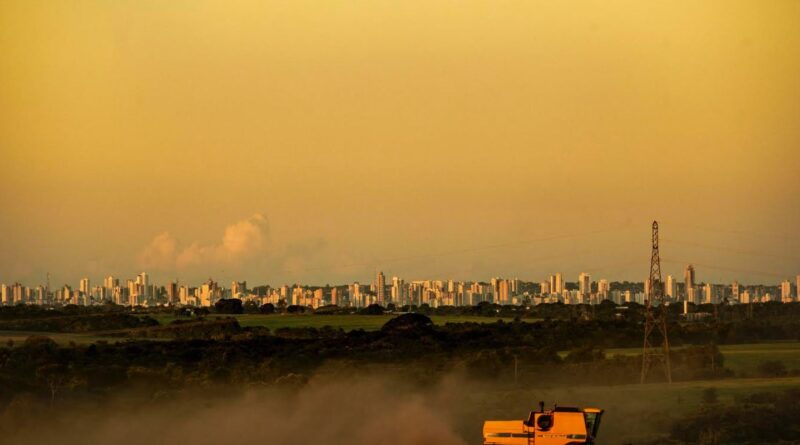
{"points": [[346, 322], [744, 359], [62, 338]]}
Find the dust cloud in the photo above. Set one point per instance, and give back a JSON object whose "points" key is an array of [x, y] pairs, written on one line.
{"points": [[353, 406], [362, 411]]}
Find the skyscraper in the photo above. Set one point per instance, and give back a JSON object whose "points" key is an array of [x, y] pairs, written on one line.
{"points": [[84, 286], [355, 295], [544, 287], [786, 291], [669, 287], [603, 288], [797, 288], [398, 294], [110, 282], [335, 296], [735, 290], [584, 284], [708, 294], [238, 288], [172, 292], [558, 284], [688, 280], [380, 287], [503, 292], [144, 280]]}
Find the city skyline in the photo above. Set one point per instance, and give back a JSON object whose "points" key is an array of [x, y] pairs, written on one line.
{"points": [[505, 291]]}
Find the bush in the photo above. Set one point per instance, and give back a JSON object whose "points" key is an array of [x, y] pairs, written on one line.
{"points": [[772, 368], [709, 396], [229, 306]]}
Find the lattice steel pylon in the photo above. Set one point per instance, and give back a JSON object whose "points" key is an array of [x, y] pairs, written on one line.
{"points": [[655, 318]]}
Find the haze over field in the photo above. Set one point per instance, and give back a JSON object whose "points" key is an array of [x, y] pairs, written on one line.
{"points": [[317, 141]]}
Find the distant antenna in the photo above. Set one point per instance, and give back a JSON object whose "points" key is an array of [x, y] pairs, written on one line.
{"points": [[655, 325]]}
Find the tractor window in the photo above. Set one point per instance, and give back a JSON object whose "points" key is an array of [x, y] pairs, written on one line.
{"points": [[592, 423]]}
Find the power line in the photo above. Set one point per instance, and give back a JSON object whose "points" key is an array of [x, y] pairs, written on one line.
{"points": [[506, 245], [727, 269], [732, 250], [720, 230]]}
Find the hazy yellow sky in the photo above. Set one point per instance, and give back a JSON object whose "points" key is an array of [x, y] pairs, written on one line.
{"points": [[316, 141]]}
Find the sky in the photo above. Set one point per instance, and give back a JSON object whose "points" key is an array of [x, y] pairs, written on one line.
{"points": [[318, 142]]}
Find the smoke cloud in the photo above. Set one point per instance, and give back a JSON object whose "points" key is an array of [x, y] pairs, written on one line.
{"points": [[241, 240]]}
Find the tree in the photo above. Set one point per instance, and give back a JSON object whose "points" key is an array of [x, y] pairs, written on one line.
{"points": [[709, 396], [229, 306], [251, 307], [296, 309], [268, 308], [772, 368], [372, 309], [55, 376]]}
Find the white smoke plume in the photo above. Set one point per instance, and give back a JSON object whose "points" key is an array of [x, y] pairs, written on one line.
{"points": [[241, 240]]}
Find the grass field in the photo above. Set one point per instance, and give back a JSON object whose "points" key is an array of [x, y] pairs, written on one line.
{"points": [[744, 359], [346, 322], [18, 337]]}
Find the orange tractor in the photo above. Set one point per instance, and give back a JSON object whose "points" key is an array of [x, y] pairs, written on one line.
{"points": [[558, 426]]}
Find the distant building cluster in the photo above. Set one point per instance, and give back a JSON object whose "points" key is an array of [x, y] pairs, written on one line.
{"points": [[140, 291]]}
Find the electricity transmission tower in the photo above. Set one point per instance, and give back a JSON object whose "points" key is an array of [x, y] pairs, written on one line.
{"points": [[655, 318]]}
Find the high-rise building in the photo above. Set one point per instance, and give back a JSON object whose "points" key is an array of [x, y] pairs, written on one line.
{"points": [[735, 291], [355, 294], [669, 287], [144, 280], [17, 293], [110, 282], [335, 296], [584, 284], [183, 295], [786, 291], [557, 284], [84, 286], [380, 287], [544, 287], [503, 292], [172, 292], [238, 288], [648, 287], [708, 294], [398, 290], [797, 288], [603, 288], [688, 280]]}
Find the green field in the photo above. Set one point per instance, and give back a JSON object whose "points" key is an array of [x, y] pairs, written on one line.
{"points": [[18, 337], [744, 359], [346, 322]]}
